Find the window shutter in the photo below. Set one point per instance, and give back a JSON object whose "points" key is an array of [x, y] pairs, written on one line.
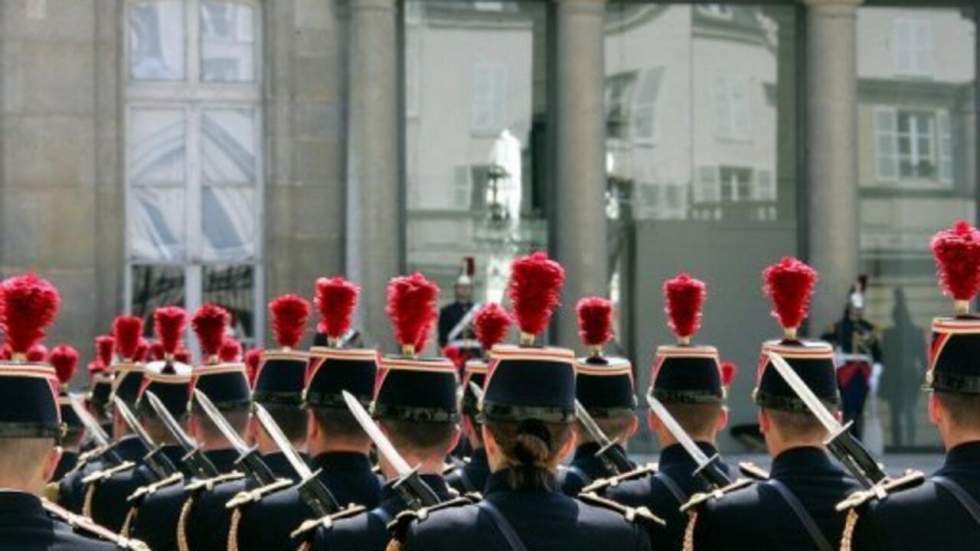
{"points": [[945, 148], [886, 143]]}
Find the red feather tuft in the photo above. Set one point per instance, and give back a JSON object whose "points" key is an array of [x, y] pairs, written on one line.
{"points": [[95, 366], [64, 358], [29, 307], [38, 353], [457, 356], [728, 372], [252, 359], [412, 309], [789, 284], [156, 351], [230, 350], [128, 331], [6, 352], [957, 254], [142, 350], [684, 297], [170, 322], [336, 299], [289, 315], [209, 323], [104, 345], [183, 355], [535, 291], [594, 321], [492, 323]]}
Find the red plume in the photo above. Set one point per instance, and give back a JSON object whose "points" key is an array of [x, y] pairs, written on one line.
{"points": [[104, 345], [535, 291], [209, 323], [128, 331], [456, 355], [183, 355], [412, 308], [156, 351], [789, 284], [38, 353], [289, 315], [684, 297], [594, 321], [29, 307], [728, 372], [492, 323], [957, 254], [336, 299], [6, 352], [170, 322], [230, 350], [252, 359], [64, 358], [142, 350], [95, 366]]}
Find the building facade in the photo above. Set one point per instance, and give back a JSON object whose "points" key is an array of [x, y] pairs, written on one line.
{"points": [[191, 151]]}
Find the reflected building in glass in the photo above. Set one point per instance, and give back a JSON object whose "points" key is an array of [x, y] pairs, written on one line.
{"points": [[191, 151]]}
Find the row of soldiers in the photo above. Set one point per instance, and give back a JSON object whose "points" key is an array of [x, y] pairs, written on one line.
{"points": [[342, 448]]}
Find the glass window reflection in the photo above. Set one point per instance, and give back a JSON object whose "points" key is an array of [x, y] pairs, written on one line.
{"points": [[156, 40]]}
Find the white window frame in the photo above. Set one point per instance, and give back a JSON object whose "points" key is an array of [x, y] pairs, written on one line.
{"points": [[642, 105], [720, 11], [942, 149], [195, 96], [733, 118], [497, 74], [913, 57]]}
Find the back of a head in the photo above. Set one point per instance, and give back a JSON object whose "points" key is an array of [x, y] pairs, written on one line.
{"points": [[291, 419], [531, 450], [237, 417], [797, 428], [425, 440], [22, 460], [963, 411], [700, 421], [338, 426]]}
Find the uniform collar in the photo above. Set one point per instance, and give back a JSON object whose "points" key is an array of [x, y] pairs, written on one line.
{"points": [[392, 500], [675, 454], [806, 458], [342, 461], [967, 454], [586, 451], [497, 483], [224, 459], [15, 502]]}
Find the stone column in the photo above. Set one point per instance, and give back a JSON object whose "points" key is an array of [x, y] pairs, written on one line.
{"points": [[832, 198], [375, 227], [578, 228]]}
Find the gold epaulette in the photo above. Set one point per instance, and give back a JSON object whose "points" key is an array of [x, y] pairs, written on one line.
{"points": [[89, 527], [150, 489], [106, 474], [752, 471], [306, 529], [702, 497], [209, 483], [604, 484], [85, 457], [52, 492], [403, 520], [908, 480], [632, 514], [256, 495]]}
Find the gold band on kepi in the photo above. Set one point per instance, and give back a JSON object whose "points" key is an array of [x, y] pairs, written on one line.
{"points": [[334, 370]]}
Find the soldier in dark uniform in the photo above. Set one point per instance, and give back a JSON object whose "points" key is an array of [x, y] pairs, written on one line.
{"points": [[416, 407], [64, 359], [795, 508], [942, 513], [491, 325], [109, 501], [339, 450], [29, 429], [453, 322], [857, 344], [689, 381], [225, 383], [73, 489], [604, 386], [528, 410]]}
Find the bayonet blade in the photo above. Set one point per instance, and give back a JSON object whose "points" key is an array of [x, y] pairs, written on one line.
{"points": [[708, 469], [477, 391], [91, 425], [813, 403], [384, 446], [219, 421], [184, 439], [283, 443], [590, 425], [133, 423]]}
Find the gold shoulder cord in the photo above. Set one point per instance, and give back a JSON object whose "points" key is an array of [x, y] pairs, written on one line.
{"points": [[689, 531], [185, 513], [128, 523], [305, 546], [89, 497], [236, 519], [395, 545], [850, 524]]}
